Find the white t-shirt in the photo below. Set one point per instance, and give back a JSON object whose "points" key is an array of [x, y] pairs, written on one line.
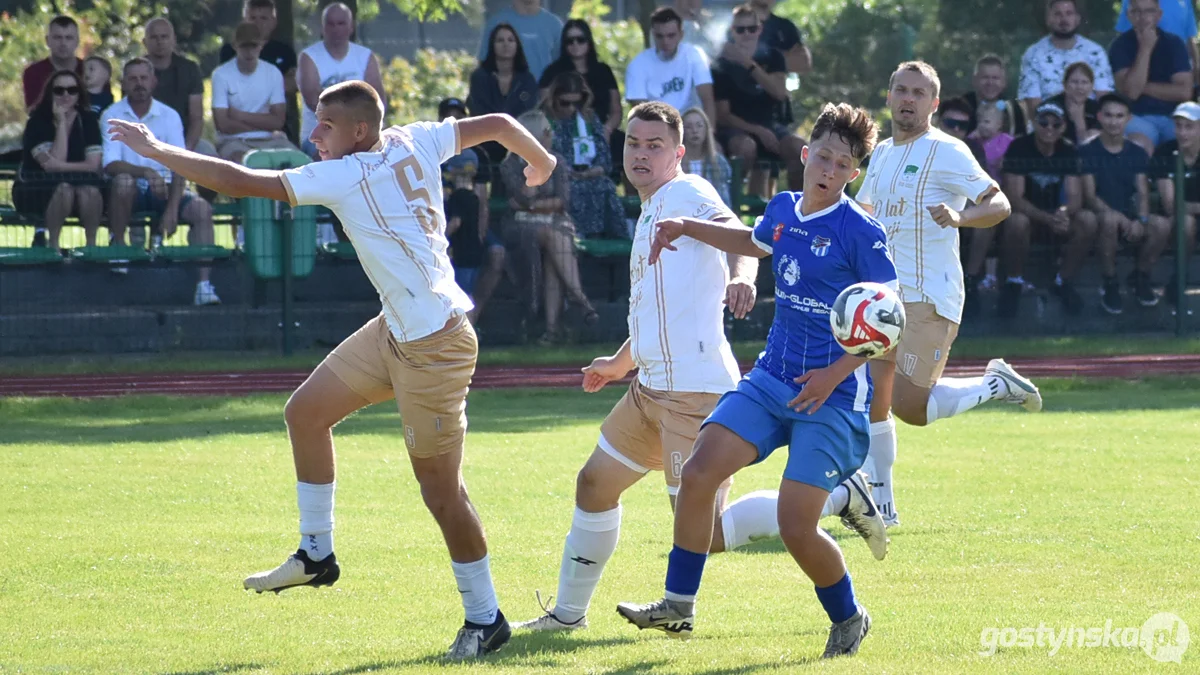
{"points": [[649, 78], [254, 93], [330, 71], [902, 180], [389, 200], [676, 310], [160, 119]]}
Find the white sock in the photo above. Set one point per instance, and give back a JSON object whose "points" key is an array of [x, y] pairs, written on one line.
{"points": [[589, 545], [883, 455], [838, 500], [316, 518], [752, 517], [952, 396], [478, 595]]}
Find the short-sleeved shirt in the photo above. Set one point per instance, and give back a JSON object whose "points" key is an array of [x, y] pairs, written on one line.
{"points": [[177, 83], [1170, 56], [815, 257], [779, 34], [902, 182], [650, 78], [1043, 65], [599, 78], [1091, 115], [747, 98], [1162, 167], [273, 52], [389, 201], [676, 315], [1178, 18], [254, 92], [1115, 172], [540, 36], [1016, 114], [39, 135], [484, 96], [468, 249], [1044, 176], [34, 78], [162, 121]]}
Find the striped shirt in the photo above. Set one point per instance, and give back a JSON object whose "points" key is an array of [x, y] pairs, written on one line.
{"points": [[902, 182], [389, 200], [676, 310]]}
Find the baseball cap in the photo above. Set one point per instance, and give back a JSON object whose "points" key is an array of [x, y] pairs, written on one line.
{"points": [[1189, 110], [1051, 108], [449, 104]]}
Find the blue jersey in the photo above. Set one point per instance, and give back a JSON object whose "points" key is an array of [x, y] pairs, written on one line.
{"points": [[815, 257]]}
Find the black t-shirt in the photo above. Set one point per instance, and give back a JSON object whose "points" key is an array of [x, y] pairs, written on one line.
{"points": [[1091, 112], [98, 102], [1044, 176], [1115, 173], [1162, 166], [1016, 114], [747, 99], [274, 52], [780, 34], [599, 79], [40, 131], [177, 83], [468, 250]]}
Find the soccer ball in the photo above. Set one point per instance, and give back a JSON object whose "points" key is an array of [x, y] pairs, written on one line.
{"points": [[867, 319]]}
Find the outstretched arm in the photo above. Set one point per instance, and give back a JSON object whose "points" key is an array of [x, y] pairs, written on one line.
{"points": [[505, 130], [728, 237]]}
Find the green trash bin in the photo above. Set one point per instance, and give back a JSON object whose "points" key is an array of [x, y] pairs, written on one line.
{"points": [[263, 218]]}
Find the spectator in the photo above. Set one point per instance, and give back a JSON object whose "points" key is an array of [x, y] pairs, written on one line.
{"points": [[701, 156], [1178, 18], [1116, 197], [541, 233], [1045, 61], [673, 71], [782, 35], [954, 118], [332, 60], [97, 77], [62, 37], [990, 136], [537, 28], [1041, 179], [579, 138], [279, 54], [1153, 71], [478, 254], [1162, 171], [750, 85], [694, 21], [140, 184], [180, 85], [60, 160], [247, 100], [579, 55], [502, 84], [1077, 101], [990, 81]]}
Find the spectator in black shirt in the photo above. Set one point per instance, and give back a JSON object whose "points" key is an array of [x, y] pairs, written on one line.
{"points": [[990, 81], [1162, 172], [782, 35], [1041, 179], [97, 77], [578, 53]]}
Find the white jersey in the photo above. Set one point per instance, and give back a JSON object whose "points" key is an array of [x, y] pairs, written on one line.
{"points": [[330, 71], [676, 310], [389, 200], [902, 181]]}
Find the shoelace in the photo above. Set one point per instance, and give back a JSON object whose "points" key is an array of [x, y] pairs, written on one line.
{"points": [[546, 605]]}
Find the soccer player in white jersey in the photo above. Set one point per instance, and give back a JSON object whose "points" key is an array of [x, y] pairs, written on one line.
{"points": [[385, 186]]}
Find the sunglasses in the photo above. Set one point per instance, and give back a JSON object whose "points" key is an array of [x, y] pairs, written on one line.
{"points": [[66, 91], [566, 103], [957, 125], [745, 29], [1050, 123], [577, 40]]}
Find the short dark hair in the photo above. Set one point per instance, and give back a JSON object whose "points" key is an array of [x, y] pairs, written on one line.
{"points": [[853, 125], [665, 15], [137, 61], [102, 61], [1051, 3], [258, 4], [928, 71], [63, 21], [1113, 97], [657, 111], [358, 96], [956, 104], [989, 60], [1081, 67]]}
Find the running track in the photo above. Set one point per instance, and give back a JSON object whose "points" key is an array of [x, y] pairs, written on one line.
{"points": [[496, 377]]}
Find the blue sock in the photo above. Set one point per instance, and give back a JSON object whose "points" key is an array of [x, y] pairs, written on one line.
{"points": [[684, 570], [838, 600]]}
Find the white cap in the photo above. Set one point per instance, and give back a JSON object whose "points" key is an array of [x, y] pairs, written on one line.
{"points": [[1189, 110]]}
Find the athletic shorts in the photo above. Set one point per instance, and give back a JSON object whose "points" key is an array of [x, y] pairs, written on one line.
{"points": [[655, 430], [924, 345], [427, 377], [824, 448]]}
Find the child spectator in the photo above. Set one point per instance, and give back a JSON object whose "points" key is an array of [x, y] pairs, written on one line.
{"points": [[97, 73], [990, 122]]}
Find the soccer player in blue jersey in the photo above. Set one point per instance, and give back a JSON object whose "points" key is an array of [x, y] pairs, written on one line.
{"points": [[804, 392]]}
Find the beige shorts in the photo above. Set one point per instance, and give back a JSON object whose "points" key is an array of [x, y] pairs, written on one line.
{"points": [[427, 377], [232, 145], [925, 344], [654, 430]]}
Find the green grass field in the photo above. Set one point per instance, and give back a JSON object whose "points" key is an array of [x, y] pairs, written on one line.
{"points": [[128, 525]]}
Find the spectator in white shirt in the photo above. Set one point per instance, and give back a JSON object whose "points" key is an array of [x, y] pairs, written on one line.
{"points": [[141, 184], [673, 71], [248, 105], [1044, 62]]}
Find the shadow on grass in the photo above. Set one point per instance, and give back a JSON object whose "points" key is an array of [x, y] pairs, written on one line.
{"points": [[218, 670]]}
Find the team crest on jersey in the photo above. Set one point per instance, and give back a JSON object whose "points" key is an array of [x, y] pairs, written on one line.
{"points": [[778, 232], [820, 246], [909, 177], [789, 270]]}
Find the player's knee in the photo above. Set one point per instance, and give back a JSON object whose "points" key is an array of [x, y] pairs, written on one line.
{"points": [[700, 474], [588, 486], [797, 536], [442, 498], [303, 414]]}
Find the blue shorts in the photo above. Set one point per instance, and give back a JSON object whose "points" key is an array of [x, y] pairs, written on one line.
{"points": [[824, 448], [465, 277], [1158, 128], [147, 201]]}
